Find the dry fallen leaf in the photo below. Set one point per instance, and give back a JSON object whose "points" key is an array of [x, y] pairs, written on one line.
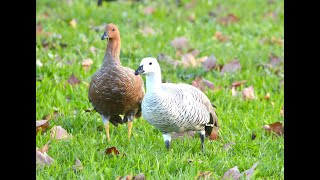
{"points": [[201, 83], [275, 127], [274, 60], [41, 125], [180, 43], [228, 19], [238, 83], [86, 63], [188, 60], [73, 23], [228, 146], [139, 176], [282, 111], [204, 175], [112, 150], [43, 158], [232, 173], [248, 93], [149, 10], [221, 37], [78, 165], [176, 135], [146, 31], [210, 63], [58, 133], [248, 173], [73, 80], [231, 66], [45, 148]]}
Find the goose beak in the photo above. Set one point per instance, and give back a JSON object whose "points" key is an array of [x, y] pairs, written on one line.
{"points": [[104, 36], [139, 70]]}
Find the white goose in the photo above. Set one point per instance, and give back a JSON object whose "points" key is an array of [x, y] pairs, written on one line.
{"points": [[175, 107]]}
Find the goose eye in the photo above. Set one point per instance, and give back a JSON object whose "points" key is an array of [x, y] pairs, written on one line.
{"points": [[112, 29], [150, 63]]}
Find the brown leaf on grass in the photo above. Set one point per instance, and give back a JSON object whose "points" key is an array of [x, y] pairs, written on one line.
{"points": [[112, 150], [248, 173], [46, 117], [188, 60], [228, 19], [231, 67], [248, 93], [228, 146], [168, 59], [221, 37], [139, 176], [86, 63], [73, 80], [78, 165], [275, 128], [180, 43], [45, 148], [59, 133], [210, 63], [146, 31], [214, 134], [149, 10], [232, 173], [43, 158], [267, 96], [202, 83], [204, 175], [42, 125], [73, 23], [238, 83], [194, 52], [253, 136], [274, 60], [176, 135]]}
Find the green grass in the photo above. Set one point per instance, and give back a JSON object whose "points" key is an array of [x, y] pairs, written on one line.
{"points": [[146, 152]]}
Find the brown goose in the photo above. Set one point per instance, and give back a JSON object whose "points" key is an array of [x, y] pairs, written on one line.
{"points": [[115, 90]]}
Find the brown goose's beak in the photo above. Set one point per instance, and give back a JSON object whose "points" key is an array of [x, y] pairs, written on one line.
{"points": [[104, 36], [139, 70]]}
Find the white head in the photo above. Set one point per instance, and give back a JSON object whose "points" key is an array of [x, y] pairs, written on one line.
{"points": [[148, 65]]}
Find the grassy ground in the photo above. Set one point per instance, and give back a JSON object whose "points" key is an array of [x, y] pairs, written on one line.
{"points": [[61, 49]]}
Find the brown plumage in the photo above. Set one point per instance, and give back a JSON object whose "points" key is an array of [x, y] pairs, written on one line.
{"points": [[115, 90]]}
